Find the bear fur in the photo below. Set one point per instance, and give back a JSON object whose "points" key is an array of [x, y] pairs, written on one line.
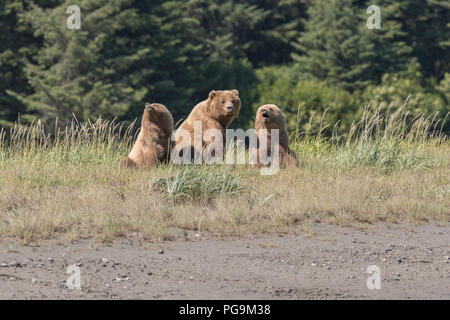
{"points": [[217, 112], [153, 142], [269, 117]]}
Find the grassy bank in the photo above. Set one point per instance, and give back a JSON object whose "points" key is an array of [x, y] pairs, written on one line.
{"points": [[67, 183]]}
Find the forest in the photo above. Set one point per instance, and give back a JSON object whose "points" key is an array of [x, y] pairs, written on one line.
{"points": [[317, 60]]}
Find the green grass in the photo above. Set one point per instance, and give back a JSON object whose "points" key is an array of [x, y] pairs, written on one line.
{"points": [[68, 183], [199, 183]]}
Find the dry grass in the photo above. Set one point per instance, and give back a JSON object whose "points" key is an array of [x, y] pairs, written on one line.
{"points": [[68, 184]]}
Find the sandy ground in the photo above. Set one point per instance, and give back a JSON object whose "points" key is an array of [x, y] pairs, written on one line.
{"points": [[330, 264]]}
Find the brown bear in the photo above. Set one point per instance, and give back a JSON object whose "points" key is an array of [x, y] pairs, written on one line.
{"points": [[270, 117], [217, 112], [153, 142]]}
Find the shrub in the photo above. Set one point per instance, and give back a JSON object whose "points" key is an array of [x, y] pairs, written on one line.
{"points": [[198, 183]]}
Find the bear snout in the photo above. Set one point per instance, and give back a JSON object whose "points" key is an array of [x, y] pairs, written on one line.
{"points": [[149, 107], [265, 113], [230, 108]]}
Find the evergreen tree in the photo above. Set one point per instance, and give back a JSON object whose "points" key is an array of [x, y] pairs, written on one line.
{"points": [[273, 35], [426, 28], [338, 47], [123, 54], [17, 45]]}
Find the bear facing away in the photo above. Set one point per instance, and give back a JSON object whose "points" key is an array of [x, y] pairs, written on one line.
{"points": [[153, 142], [217, 112], [270, 117]]}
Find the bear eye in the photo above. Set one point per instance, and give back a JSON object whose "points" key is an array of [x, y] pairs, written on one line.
{"points": [[223, 101]]}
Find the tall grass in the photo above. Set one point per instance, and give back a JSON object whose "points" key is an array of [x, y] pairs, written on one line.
{"points": [[383, 139], [388, 167], [202, 183], [78, 143]]}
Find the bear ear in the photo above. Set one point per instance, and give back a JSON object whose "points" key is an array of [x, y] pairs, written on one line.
{"points": [[235, 92], [212, 94]]}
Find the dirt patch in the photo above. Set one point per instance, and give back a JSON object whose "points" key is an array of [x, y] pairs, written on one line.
{"points": [[331, 264]]}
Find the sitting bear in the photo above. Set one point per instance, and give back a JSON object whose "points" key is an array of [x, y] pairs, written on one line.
{"points": [[153, 142], [270, 117], [217, 112]]}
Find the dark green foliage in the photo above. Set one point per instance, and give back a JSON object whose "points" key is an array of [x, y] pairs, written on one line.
{"points": [[338, 47], [318, 55]]}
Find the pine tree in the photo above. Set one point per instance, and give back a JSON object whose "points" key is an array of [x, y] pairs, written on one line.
{"points": [[124, 53], [16, 42], [338, 47], [273, 36], [426, 28]]}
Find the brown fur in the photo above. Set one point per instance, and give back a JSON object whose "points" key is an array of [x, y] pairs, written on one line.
{"points": [[213, 114], [274, 120], [153, 142]]}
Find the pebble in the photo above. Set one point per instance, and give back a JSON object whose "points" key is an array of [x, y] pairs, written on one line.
{"points": [[161, 252]]}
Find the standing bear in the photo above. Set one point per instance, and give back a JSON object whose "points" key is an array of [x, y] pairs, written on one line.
{"points": [[217, 112], [153, 142], [270, 117]]}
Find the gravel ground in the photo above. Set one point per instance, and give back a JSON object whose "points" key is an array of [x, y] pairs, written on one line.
{"points": [[330, 264]]}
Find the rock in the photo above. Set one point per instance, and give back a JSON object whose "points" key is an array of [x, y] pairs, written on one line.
{"points": [[161, 252]]}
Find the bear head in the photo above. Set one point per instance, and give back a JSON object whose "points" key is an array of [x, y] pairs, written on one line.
{"points": [[158, 114], [224, 105], [269, 116]]}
